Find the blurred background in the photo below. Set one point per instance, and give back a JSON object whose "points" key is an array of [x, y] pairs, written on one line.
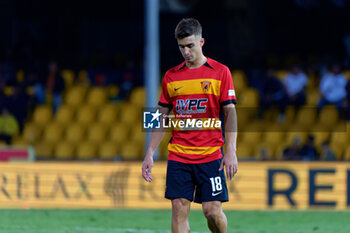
{"points": [[72, 77]]}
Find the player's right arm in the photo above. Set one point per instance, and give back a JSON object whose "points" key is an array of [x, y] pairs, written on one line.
{"points": [[156, 138]]}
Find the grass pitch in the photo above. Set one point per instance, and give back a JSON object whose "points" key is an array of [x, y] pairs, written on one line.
{"points": [[158, 221]]}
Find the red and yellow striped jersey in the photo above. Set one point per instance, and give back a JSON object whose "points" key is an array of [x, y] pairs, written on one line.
{"points": [[197, 94]]}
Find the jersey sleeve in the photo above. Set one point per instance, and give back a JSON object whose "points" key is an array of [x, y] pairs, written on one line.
{"points": [[164, 99], [227, 91]]}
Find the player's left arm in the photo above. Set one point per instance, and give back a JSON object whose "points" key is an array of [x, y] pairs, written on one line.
{"points": [[230, 158]]}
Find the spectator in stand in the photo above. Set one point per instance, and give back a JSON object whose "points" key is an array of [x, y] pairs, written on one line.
{"points": [[308, 152], [273, 93], [295, 83], [55, 85], [8, 126], [292, 152], [333, 89], [327, 153]]}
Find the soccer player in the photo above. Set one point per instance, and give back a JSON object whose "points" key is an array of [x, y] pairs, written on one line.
{"points": [[199, 88]]}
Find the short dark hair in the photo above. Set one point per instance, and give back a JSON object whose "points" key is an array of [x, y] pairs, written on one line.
{"points": [[188, 27]]}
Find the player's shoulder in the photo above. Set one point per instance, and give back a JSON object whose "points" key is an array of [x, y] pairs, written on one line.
{"points": [[217, 65], [177, 68]]}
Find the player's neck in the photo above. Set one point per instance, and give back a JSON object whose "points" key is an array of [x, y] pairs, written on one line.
{"points": [[198, 63]]}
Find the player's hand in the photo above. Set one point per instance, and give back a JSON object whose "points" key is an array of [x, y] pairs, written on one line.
{"points": [[147, 168], [230, 163]]}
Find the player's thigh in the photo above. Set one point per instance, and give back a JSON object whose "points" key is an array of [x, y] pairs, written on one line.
{"points": [[179, 181], [211, 183]]}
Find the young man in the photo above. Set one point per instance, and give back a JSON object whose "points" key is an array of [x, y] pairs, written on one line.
{"points": [[199, 88]]}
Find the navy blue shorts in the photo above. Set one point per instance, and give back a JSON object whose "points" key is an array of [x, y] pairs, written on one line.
{"points": [[201, 182]]}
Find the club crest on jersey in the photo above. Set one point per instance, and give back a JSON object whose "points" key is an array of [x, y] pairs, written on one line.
{"points": [[205, 85]]}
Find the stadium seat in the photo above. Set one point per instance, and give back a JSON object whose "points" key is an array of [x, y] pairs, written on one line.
{"points": [[86, 150], [273, 137], [108, 114], [75, 132], [138, 97], [64, 114], [338, 150], [328, 117], [131, 151], [239, 80], [75, 96], [279, 150], [53, 132], [245, 151], [347, 153], [340, 138], [31, 133], [130, 114], [312, 97], [108, 150], [44, 150], [97, 132], [250, 137], [65, 150], [68, 76], [248, 98], [320, 137], [137, 135], [119, 133], [97, 96], [281, 74], [42, 115], [86, 114], [305, 119], [83, 78]]}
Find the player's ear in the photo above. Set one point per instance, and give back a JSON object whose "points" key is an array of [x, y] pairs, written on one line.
{"points": [[201, 41]]}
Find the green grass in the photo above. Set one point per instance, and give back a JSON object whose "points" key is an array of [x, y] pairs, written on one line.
{"points": [[153, 221]]}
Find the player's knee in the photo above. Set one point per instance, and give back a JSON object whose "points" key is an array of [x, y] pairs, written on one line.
{"points": [[180, 206], [212, 211]]}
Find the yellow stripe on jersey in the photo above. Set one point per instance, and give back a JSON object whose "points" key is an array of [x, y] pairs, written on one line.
{"points": [[192, 150], [194, 124], [194, 86]]}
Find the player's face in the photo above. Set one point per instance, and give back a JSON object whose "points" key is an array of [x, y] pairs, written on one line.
{"points": [[191, 48]]}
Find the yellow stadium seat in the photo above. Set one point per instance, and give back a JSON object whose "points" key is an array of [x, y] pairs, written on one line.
{"points": [[138, 96], [119, 133], [86, 150], [320, 137], [239, 80], [83, 78], [340, 138], [338, 150], [53, 132], [131, 151], [130, 114], [273, 137], [108, 150], [75, 132], [305, 119], [75, 96], [64, 114], [42, 115], [97, 96], [113, 91], [281, 74], [108, 114], [137, 135], [328, 116], [97, 132], [279, 150], [65, 150], [31, 133], [86, 114], [347, 153], [68, 76], [245, 151], [248, 98], [312, 97], [250, 137], [44, 150]]}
